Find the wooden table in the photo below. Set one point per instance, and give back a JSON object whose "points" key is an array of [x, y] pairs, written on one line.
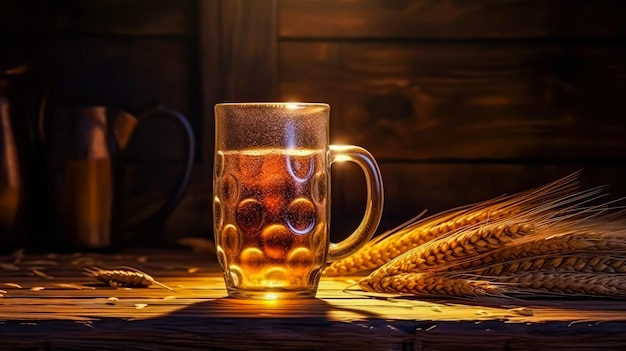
{"points": [[49, 304]]}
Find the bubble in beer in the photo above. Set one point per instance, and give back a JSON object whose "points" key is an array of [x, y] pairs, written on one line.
{"points": [[277, 240], [230, 239], [249, 215], [250, 165], [219, 163], [274, 204], [252, 259], [300, 215], [300, 260], [276, 277], [318, 189], [228, 189], [218, 212], [300, 167]]}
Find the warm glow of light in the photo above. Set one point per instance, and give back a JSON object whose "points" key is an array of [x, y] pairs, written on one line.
{"points": [[342, 158], [291, 105], [271, 298]]}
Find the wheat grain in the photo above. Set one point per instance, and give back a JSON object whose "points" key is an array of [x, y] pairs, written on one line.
{"points": [[418, 231], [123, 277]]}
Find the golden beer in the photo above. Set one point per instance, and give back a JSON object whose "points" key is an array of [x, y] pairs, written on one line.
{"points": [[271, 218]]}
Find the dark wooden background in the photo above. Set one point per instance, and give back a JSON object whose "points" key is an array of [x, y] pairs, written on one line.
{"points": [[460, 101]]}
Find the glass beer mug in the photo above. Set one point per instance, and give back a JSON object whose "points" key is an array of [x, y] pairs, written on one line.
{"points": [[271, 203]]}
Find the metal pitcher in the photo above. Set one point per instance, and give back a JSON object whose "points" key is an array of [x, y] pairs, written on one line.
{"points": [[20, 101], [86, 148]]}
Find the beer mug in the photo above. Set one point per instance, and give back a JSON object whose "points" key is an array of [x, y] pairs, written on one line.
{"points": [[271, 203]]}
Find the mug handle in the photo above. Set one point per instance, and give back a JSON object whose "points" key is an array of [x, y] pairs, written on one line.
{"points": [[175, 198], [375, 198]]}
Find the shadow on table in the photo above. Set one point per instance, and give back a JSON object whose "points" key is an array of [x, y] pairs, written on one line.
{"points": [[227, 307], [306, 324]]}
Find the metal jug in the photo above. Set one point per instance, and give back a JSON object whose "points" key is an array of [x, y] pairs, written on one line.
{"points": [[20, 101], [10, 182], [85, 155]]}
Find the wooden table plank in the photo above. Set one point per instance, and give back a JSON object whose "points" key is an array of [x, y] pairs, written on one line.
{"points": [[198, 314]]}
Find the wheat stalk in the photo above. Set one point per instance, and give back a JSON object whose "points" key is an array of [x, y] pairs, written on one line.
{"points": [[530, 283], [418, 231]]}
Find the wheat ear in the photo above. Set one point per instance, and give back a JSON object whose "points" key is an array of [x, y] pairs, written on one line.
{"points": [[418, 231], [431, 284], [564, 283], [591, 238], [584, 263]]}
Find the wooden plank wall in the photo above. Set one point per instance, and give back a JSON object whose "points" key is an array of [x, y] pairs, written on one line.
{"points": [[461, 101]]}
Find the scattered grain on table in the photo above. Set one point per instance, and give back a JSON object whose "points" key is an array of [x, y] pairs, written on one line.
{"points": [[42, 274], [67, 286], [522, 311]]}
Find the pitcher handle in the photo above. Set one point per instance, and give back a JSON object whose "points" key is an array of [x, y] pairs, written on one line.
{"points": [[177, 117], [375, 199]]}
